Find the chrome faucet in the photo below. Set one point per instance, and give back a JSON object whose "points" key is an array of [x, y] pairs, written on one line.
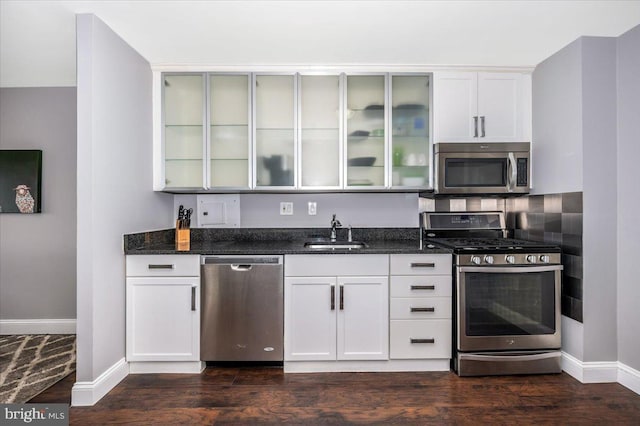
{"points": [[335, 223]]}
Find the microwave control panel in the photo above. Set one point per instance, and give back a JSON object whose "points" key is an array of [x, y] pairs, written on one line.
{"points": [[522, 166]]}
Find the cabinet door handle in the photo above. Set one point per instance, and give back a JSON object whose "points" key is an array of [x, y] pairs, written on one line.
{"points": [[475, 126], [193, 298], [341, 297], [423, 287], [166, 266], [423, 265], [333, 297], [422, 340], [482, 126], [423, 309]]}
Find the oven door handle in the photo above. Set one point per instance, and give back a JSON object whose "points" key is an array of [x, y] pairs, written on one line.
{"points": [[510, 269], [515, 358]]}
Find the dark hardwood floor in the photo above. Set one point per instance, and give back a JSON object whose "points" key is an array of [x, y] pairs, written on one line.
{"points": [[267, 395]]}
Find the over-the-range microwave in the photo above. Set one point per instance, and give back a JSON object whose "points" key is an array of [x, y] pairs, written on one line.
{"points": [[482, 168]]}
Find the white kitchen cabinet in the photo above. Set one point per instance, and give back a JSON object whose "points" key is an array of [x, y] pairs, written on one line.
{"points": [[481, 107], [163, 313], [420, 306], [336, 307]]}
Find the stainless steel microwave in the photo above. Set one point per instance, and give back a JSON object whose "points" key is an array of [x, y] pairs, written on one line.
{"points": [[482, 168]]}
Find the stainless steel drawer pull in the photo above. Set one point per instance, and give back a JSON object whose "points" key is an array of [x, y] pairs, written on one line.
{"points": [[423, 287], [168, 266], [475, 126], [482, 125], [423, 265], [193, 298], [423, 309], [422, 340]]}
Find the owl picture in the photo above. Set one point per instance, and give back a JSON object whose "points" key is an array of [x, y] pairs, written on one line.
{"points": [[24, 200]]}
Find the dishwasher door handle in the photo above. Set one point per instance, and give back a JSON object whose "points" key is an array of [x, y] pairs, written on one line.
{"points": [[241, 268]]}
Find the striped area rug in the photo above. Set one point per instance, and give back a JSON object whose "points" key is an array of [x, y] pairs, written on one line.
{"points": [[31, 363]]}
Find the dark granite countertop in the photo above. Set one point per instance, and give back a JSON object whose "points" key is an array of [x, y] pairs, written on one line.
{"points": [[277, 241]]}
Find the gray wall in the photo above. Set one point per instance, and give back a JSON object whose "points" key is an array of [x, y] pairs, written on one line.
{"points": [[599, 198], [574, 134], [38, 252], [628, 106], [557, 122], [114, 186]]}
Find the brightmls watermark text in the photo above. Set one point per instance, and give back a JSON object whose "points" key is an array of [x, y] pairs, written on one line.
{"points": [[34, 414]]}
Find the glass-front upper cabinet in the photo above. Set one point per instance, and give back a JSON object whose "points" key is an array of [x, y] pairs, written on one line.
{"points": [[184, 130], [230, 132], [275, 118], [320, 124], [365, 131], [410, 140]]}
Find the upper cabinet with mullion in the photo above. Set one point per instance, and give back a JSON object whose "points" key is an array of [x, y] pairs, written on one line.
{"points": [[184, 129], [229, 131], [274, 134], [410, 124], [365, 128], [320, 131], [481, 107]]}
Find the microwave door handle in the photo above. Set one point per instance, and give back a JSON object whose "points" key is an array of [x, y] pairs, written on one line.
{"points": [[512, 172]]}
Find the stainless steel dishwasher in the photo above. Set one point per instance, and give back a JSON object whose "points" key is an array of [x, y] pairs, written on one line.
{"points": [[242, 308]]}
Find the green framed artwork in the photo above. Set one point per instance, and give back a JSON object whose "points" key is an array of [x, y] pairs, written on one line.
{"points": [[20, 181]]}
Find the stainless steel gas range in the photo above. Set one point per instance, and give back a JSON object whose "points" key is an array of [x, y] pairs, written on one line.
{"points": [[507, 295]]}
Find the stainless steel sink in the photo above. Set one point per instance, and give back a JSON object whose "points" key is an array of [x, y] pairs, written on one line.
{"points": [[335, 245]]}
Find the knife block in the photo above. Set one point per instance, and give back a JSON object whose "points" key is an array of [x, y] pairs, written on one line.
{"points": [[183, 238]]}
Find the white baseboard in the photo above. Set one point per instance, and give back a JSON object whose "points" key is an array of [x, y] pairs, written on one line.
{"points": [[601, 372], [38, 326], [395, 365], [629, 377], [88, 393]]}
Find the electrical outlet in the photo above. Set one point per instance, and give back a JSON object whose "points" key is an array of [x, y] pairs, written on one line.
{"points": [[286, 208], [312, 208]]}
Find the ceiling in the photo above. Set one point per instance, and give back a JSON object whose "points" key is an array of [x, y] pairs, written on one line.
{"points": [[37, 38]]}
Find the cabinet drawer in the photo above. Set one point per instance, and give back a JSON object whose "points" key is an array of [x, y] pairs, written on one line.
{"points": [[160, 265], [420, 264], [421, 286], [420, 308], [420, 339], [322, 265]]}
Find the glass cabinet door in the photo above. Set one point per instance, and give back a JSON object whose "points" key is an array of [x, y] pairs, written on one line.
{"points": [[410, 141], [320, 157], [230, 132], [365, 129], [275, 130], [184, 130]]}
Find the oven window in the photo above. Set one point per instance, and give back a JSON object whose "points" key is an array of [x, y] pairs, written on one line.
{"points": [[502, 304], [463, 172]]}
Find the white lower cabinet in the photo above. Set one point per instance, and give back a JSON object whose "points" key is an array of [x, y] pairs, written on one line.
{"points": [[163, 313], [339, 310], [420, 306]]}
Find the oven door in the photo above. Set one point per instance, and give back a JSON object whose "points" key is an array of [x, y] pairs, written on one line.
{"points": [[508, 308]]}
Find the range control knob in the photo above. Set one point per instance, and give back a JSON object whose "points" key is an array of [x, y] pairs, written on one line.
{"points": [[532, 259], [510, 259], [488, 259], [475, 260], [545, 258]]}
